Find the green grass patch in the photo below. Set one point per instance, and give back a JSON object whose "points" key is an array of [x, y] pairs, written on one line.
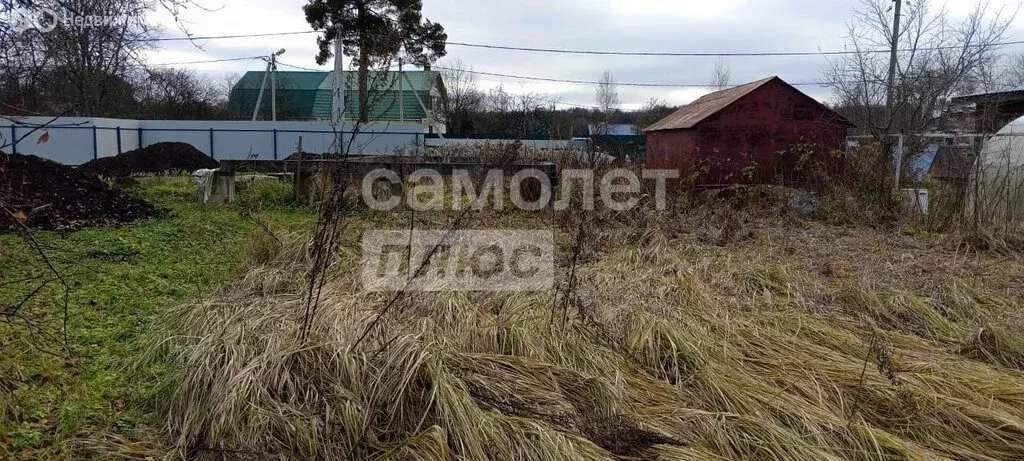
{"points": [[119, 278]]}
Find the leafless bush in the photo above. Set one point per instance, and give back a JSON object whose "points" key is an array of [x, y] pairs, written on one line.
{"points": [[464, 100], [862, 191]]}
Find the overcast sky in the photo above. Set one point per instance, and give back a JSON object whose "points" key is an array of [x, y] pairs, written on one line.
{"points": [[622, 25]]}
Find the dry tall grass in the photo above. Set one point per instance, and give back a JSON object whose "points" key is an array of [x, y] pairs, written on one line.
{"points": [[676, 350]]}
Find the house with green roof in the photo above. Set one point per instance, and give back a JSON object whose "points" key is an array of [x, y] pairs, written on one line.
{"points": [[409, 97]]}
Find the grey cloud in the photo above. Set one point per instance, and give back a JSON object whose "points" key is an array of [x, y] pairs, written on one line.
{"points": [[655, 25]]}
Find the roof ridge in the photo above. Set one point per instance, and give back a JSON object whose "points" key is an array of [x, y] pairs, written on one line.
{"points": [[705, 106]]}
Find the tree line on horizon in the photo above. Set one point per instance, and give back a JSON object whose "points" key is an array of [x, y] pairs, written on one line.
{"points": [[98, 71]]}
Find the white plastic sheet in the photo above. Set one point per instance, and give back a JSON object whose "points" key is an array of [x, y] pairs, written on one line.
{"points": [[205, 179]]}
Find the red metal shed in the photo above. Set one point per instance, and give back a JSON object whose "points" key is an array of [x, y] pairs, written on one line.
{"points": [[761, 132]]}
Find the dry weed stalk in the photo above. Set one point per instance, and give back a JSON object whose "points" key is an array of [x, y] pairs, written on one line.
{"points": [[682, 351]]}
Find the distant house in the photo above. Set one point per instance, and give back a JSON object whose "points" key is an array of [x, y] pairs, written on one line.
{"points": [[611, 129], [985, 113], [761, 132], [410, 97], [982, 113], [618, 140]]}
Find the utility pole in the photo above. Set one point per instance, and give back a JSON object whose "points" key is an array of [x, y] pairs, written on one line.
{"points": [[892, 56], [273, 87], [401, 92], [338, 92], [259, 99], [338, 88], [271, 72], [273, 83], [891, 87]]}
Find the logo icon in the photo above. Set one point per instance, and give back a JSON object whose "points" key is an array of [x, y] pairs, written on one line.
{"points": [[45, 20]]}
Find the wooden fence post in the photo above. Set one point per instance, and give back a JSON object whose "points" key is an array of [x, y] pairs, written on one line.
{"points": [[298, 172], [899, 159]]}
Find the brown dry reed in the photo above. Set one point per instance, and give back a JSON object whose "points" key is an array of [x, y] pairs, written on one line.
{"points": [[682, 355]]}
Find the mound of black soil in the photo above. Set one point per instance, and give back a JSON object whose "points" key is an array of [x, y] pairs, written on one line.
{"points": [[45, 195], [161, 157]]}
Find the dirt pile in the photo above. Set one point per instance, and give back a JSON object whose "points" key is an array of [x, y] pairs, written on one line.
{"points": [[45, 195], [158, 158]]}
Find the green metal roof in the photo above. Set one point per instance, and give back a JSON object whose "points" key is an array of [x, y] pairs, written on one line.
{"points": [[285, 80], [307, 95], [296, 92]]}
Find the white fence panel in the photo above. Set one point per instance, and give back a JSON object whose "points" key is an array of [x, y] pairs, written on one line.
{"points": [[74, 140], [70, 139], [114, 136]]}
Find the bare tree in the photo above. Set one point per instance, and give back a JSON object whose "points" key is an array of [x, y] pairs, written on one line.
{"points": [[653, 110], [86, 71], [73, 69], [525, 115], [1006, 73], [227, 84], [179, 94], [464, 97], [607, 99], [721, 75], [937, 58]]}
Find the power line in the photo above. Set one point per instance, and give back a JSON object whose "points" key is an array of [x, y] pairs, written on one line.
{"points": [[550, 100], [301, 68], [207, 61], [657, 53], [570, 104], [220, 37], [594, 52], [592, 82], [728, 54], [572, 81], [578, 82]]}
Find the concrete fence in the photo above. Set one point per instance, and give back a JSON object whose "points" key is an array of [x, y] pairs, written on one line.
{"points": [[534, 143], [76, 140]]}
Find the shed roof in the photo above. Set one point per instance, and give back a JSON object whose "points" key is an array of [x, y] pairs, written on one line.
{"points": [[691, 114], [1015, 95], [710, 104]]}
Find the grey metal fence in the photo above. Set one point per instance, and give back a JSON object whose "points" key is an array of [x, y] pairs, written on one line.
{"points": [[77, 141]]}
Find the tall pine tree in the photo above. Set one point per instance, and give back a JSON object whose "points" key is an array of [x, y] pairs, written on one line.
{"points": [[375, 31]]}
